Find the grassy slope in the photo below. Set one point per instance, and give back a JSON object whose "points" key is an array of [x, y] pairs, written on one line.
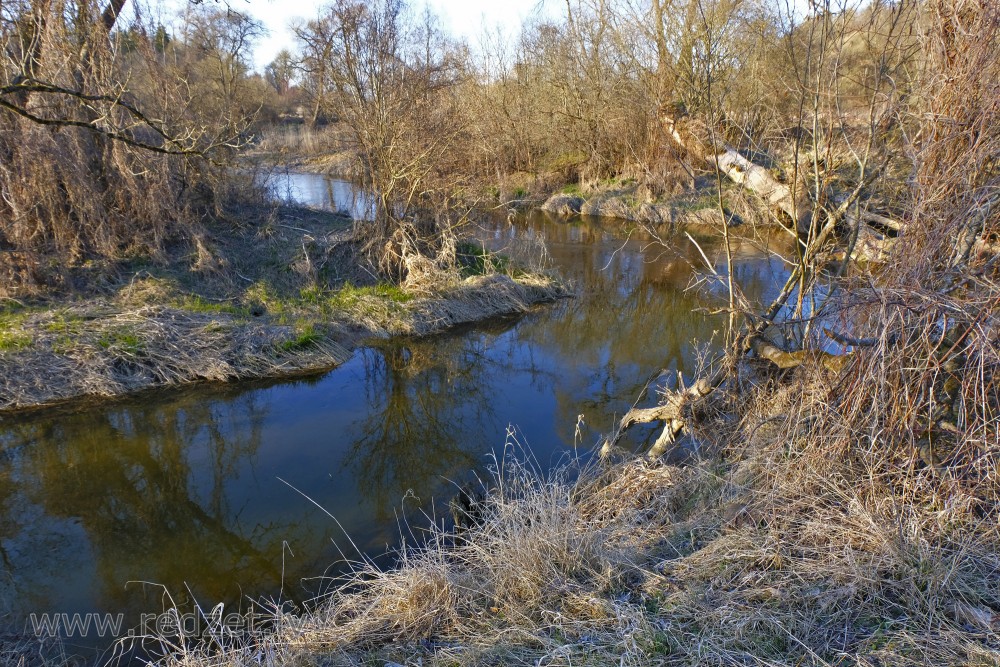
{"points": [[774, 558]]}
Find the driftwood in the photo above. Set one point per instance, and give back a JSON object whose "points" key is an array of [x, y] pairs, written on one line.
{"points": [[673, 412], [882, 221], [679, 407], [875, 231], [785, 360], [776, 355]]}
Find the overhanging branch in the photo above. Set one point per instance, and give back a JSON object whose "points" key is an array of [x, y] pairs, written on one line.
{"points": [[172, 145]]}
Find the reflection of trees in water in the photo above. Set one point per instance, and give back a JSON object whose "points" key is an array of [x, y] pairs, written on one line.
{"points": [[146, 485], [429, 406], [637, 313], [10, 524]]}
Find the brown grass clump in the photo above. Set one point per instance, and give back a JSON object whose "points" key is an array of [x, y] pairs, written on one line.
{"points": [[537, 569], [779, 554], [86, 352]]}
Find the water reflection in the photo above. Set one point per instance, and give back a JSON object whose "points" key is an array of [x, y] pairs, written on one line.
{"points": [[188, 489], [430, 404], [641, 307], [332, 194]]}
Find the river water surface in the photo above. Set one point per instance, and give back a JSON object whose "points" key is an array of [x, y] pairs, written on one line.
{"points": [[213, 493]]}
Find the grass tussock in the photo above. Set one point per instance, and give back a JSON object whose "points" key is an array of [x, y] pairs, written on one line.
{"points": [[94, 352]]}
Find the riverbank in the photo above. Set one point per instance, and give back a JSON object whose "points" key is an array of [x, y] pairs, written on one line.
{"points": [[766, 551], [691, 201], [782, 541], [280, 294], [800, 529], [819, 517]]}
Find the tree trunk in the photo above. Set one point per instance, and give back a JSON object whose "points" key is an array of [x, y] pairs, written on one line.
{"points": [[673, 412], [111, 12], [737, 168]]}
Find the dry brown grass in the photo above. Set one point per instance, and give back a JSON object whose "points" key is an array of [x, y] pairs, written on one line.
{"points": [[87, 351], [778, 553], [110, 347], [264, 292], [836, 516], [782, 552]]}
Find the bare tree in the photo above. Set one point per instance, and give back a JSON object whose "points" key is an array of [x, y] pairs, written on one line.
{"points": [[220, 43], [280, 72], [393, 87], [89, 166]]}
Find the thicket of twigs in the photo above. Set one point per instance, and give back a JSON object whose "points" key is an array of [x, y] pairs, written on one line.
{"points": [[925, 380], [109, 145]]}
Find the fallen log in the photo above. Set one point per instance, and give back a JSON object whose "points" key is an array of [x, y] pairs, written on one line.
{"points": [[882, 221], [877, 232], [777, 356], [677, 408], [777, 195], [786, 360]]}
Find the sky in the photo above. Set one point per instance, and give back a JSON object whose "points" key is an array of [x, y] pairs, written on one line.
{"points": [[463, 18]]}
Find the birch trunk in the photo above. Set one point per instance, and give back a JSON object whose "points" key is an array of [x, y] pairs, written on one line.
{"points": [[740, 170]]}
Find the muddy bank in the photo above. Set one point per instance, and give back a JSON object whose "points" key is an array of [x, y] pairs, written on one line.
{"points": [[695, 208]]}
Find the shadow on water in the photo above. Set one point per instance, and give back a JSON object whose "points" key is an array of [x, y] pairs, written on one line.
{"points": [[184, 489]]}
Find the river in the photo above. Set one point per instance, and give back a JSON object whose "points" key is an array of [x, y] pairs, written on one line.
{"points": [[214, 493]]}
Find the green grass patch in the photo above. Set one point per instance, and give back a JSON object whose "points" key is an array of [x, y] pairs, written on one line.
{"points": [[12, 341], [63, 323], [698, 200], [316, 303], [66, 328], [478, 261], [349, 295], [123, 340], [571, 189], [305, 338], [281, 308], [314, 295], [13, 315], [197, 304], [616, 182]]}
